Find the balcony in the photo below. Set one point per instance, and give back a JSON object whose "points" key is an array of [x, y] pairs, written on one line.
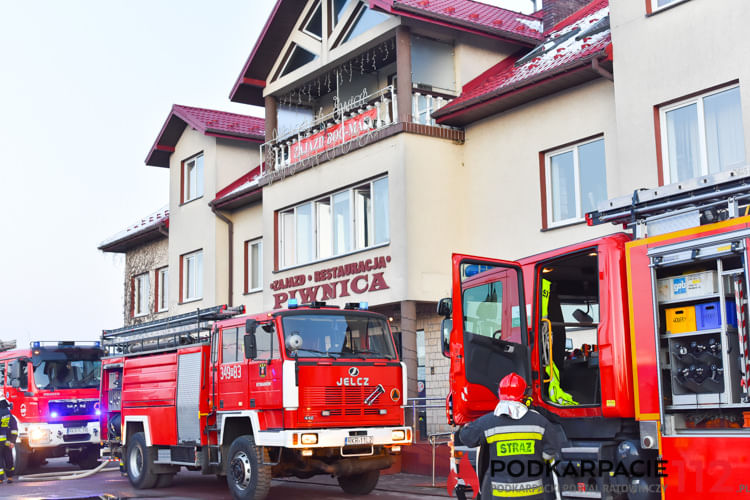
{"points": [[360, 120]]}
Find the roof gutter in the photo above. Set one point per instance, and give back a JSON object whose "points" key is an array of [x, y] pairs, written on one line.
{"points": [[230, 254]]}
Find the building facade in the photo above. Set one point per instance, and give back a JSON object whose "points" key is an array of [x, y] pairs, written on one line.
{"points": [[398, 132]]}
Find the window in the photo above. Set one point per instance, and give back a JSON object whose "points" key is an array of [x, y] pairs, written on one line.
{"points": [[576, 181], [162, 289], [345, 221], [232, 351], [702, 135], [253, 266], [140, 294], [654, 5], [192, 178], [267, 342], [192, 276]]}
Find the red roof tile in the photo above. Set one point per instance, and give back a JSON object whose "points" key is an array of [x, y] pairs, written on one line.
{"points": [[206, 121], [244, 183], [553, 57], [142, 231]]}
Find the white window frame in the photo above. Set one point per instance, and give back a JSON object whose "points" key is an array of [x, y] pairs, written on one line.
{"points": [[579, 217], [186, 195], [353, 233], [162, 280], [186, 258], [141, 287], [249, 269], [698, 101]]}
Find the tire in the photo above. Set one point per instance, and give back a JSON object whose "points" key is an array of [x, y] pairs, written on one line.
{"points": [[246, 477], [164, 480], [359, 484], [139, 462], [87, 459], [21, 458]]}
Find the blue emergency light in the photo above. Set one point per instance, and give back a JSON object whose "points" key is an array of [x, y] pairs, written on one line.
{"points": [[292, 304], [363, 305], [36, 345]]}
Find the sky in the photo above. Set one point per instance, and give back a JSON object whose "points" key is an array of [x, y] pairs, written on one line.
{"points": [[85, 87]]}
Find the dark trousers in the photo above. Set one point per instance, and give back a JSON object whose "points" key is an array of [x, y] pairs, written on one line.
{"points": [[6, 461]]}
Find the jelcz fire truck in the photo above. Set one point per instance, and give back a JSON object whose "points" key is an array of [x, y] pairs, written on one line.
{"points": [[54, 389], [295, 392], [636, 344]]}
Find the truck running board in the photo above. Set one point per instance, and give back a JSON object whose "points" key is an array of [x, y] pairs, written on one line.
{"points": [[702, 200]]}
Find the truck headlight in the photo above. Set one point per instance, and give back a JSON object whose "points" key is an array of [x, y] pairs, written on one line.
{"points": [[309, 439], [39, 435], [399, 435]]}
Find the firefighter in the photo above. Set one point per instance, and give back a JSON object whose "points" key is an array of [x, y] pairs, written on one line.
{"points": [[8, 436], [515, 443]]}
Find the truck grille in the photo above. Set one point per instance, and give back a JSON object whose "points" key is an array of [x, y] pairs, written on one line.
{"points": [[347, 401], [66, 408]]}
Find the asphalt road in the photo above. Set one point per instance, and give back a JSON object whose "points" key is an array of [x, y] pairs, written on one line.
{"points": [[188, 485]]}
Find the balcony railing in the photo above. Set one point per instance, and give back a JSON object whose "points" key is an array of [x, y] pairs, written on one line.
{"points": [[355, 119]]}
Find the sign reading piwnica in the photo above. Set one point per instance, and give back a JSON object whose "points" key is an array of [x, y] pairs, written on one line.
{"points": [[333, 282]]}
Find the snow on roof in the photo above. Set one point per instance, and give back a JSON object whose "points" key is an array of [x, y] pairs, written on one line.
{"points": [[247, 182], [577, 38], [141, 226]]}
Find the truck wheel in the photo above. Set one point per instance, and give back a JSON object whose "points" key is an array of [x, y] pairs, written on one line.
{"points": [[246, 477], [88, 458], [21, 458], [139, 462], [359, 484]]}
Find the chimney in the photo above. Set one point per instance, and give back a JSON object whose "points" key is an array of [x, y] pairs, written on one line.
{"points": [[556, 10]]}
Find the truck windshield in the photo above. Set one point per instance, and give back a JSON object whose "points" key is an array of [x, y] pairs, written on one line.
{"points": [[67, 374], [337, 335]]}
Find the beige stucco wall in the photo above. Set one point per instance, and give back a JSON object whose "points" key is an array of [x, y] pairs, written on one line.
{"points": [[248, 225], [685, 49], [501, 192], [146, 258], [476, 55]]}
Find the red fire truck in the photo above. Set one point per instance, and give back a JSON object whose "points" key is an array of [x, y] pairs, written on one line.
{"points": [[295, 392], [54, 389], [636, 344]]}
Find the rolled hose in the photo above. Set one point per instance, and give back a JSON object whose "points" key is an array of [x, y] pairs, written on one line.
{"points": [[62, 476]]}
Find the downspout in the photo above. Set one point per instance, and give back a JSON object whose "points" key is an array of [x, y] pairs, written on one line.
{"points": [[602, 72], [230, 254]]}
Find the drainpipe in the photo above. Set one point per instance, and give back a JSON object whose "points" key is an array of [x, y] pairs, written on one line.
{"points": [[603, 72], [230, 254]]}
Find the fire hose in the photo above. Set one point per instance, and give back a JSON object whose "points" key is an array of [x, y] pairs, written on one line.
{"points": [[62, 476]]}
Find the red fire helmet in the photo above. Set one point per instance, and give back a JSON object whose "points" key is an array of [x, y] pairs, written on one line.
{"points": [[512, 387]]}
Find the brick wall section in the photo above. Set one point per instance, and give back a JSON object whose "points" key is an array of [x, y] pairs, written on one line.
{"points": [[557, 10], [146, 258]]}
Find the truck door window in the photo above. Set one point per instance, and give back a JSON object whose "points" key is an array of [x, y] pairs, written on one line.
{"points": [[569, 320], [266, 340], [231, 350], [22, 382]]}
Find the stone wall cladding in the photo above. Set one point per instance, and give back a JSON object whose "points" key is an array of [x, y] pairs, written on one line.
{"points": [[437, 369], [146, 258]]}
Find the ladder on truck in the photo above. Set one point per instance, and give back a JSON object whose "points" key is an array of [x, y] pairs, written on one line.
{"points": [[166, 333], [682, 205]]}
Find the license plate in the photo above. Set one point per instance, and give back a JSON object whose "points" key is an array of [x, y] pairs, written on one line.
{"points": [[357, 440], [76, 430]]}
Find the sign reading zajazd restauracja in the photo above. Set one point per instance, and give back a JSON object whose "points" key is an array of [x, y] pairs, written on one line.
{"points": [[345, 280]]}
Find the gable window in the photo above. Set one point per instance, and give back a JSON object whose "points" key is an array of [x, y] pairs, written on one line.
{"points": [[192, 178], [162, 289], [575, 181], [335, 224], [702, 135], [140, 294], [191, 278], [253, 266]]}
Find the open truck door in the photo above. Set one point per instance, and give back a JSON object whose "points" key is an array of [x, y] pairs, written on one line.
{"points": [[489, 337]]}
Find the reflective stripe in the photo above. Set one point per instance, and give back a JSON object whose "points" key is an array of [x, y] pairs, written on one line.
{"points": [[512, 436], [513, 428], [3, 438], [524, 489], [14, 432]]}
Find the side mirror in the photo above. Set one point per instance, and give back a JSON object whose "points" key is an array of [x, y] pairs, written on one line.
{"points": [[251, 347], [250, 326], [445, 307], [445, 334], [14, 369]]}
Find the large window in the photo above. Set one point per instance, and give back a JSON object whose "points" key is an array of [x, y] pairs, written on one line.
{"points": [[192, 178], [192, 276], [162, 289], [253, 266], [576, 181], [140, 294], [702, 135], [336, 224]]}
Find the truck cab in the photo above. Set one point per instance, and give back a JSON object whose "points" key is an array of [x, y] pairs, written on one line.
{"points": [[54, 389]]}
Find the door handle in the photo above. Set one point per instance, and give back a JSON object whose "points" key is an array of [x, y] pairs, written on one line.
{"points": [[508, 348]]}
